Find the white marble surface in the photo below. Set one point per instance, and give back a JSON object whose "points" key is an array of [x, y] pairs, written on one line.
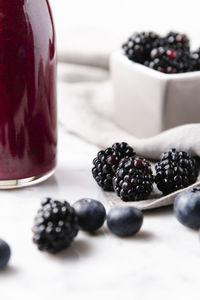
{"points": [[161, 262]]}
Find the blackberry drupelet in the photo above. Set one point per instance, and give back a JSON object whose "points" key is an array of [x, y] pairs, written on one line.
{"points": [[177, 41], [133, 180], [107, 161], [55, 225], [176, 170], [139, 45], [168, 60]]}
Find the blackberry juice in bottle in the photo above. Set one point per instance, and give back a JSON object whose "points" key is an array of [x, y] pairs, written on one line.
{"points": [[28, 125]]}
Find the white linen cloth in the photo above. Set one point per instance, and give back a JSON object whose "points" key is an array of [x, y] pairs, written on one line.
{"points": [[86, 107], [86, 110]]}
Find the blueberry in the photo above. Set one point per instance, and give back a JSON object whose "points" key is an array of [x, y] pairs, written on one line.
{"points": [[124, 220], [91, 214], [4, 254], [187, 207]]}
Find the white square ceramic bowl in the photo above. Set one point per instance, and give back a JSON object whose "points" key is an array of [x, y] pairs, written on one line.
{"points": [[148, 102]]}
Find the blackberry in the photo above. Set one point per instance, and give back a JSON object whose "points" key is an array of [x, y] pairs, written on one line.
{"points": [[139, 45], [168, 60], [133, 180], [106, 162], [55, 225], [195, 60], [176, 170], [177, 41]]}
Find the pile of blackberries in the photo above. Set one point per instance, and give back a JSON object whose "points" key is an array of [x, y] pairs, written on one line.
{"points": [[169, 54], [132, 178]]}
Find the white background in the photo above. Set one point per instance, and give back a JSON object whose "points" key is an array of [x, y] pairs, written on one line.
{"points": [[104, 24]]}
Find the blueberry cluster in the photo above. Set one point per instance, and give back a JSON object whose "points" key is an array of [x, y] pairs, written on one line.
{"points": [[132, 177], [169, 54]]}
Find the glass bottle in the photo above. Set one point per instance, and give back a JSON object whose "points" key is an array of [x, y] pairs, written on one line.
{"points": [[28, 117]]}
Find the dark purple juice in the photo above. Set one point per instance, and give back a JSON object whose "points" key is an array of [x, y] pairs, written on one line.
{"points": [[28, 125]]}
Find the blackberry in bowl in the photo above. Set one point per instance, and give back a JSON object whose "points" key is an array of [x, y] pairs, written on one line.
{"points": [[169, 60], [173, 58], [178, 41], [195, 60], [139, 45], [160, 88]]}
